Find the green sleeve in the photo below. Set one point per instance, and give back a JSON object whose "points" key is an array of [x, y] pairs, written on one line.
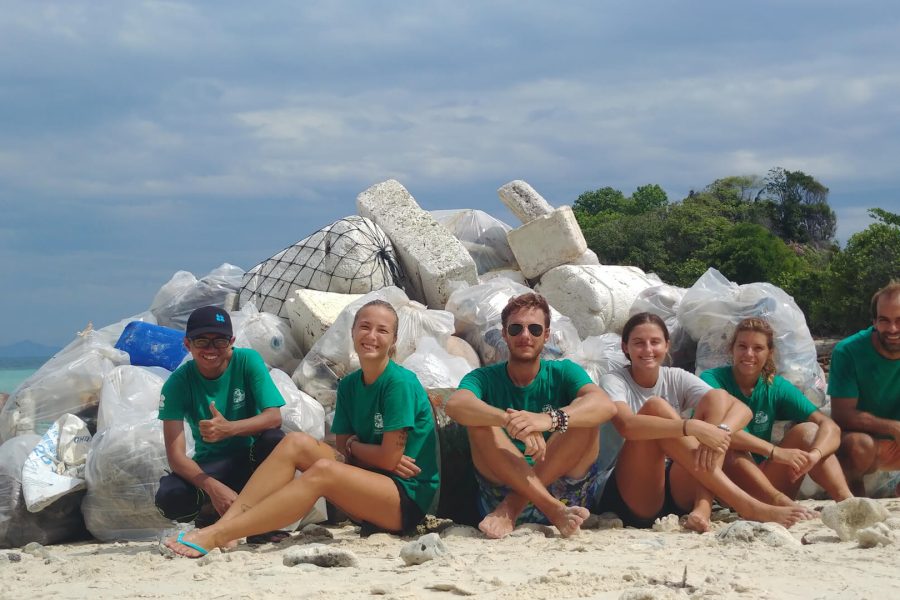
{"points": [[474, 382], [841, 375], [172, 396], [710, 376], [399, 403], [265, 392], [575, 378], [790, 403], [341, 424]]}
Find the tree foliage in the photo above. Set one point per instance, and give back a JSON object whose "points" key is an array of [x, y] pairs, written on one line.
{"points": [[778, 229]]}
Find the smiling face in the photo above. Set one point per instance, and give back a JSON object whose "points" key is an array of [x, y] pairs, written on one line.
{"points": [[887, 325], [525, 346], [749, 353], [374, 333], [646, 348], [210, 361]]}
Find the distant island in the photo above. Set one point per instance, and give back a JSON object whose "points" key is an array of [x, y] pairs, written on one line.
{"points": [[27, 349]]}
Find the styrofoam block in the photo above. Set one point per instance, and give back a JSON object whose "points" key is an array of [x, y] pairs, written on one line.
{"points": [[588, 258], [460, 347], [312, 312], [596, 297], [523, 201], [429, 254], [549, 241], [507, 273]]}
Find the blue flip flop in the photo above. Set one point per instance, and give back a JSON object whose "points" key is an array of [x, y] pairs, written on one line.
{"points": [[180, 539]]}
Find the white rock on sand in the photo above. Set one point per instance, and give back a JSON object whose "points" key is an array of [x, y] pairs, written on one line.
{"points": [[604, 564]]}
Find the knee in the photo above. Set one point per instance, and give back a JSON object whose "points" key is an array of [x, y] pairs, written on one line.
{"points": [[658, 407], [296, 443], [321, 473], [715, 401], [804, 434], [177, 500], [858, 450]]}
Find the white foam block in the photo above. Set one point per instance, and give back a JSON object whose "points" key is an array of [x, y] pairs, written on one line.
{"points": [[596, 297], [312, 312], [523, 201], [549, 241], [429, 254]]}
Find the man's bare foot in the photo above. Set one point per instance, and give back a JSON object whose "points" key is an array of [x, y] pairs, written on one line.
{"points": [[696, 521], [499, 523], [569, 519]]}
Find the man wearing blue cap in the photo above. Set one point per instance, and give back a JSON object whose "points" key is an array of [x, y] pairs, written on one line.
{"points": [[232, 407]]}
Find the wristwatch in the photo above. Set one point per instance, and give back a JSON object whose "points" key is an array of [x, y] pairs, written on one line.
{"points": [[724, 427]]}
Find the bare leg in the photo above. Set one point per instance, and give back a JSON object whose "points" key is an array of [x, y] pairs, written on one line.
{"points": [[363, 494], [682, 449], [498, 460], [827, 473], [858, 456]]}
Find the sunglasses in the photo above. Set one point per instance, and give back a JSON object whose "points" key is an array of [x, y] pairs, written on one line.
{"points": [[535, 329], [219, 342]]}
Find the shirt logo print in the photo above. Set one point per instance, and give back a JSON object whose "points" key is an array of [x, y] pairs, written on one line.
{"points": [[761, 418], [378, 421], [239, 398]]}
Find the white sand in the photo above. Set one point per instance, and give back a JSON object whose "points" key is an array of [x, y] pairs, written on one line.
{"points": [[617, 563]]}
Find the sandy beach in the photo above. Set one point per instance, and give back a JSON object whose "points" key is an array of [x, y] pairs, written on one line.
{"points": [[810, 562]]}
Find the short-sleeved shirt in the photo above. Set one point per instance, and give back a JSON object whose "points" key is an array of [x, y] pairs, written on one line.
{"points": [[557, 383], [770, 402], [681, 389], [243, 391], [859, 371], [396, 400]]}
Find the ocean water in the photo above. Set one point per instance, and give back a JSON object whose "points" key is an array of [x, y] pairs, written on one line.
{"points": [[14, 371]]}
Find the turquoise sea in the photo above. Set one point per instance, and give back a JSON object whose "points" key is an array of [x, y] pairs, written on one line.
{"points": [[14, 371]]}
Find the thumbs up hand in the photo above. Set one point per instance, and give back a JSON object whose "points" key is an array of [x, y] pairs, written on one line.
{"points": [[217, 428]]}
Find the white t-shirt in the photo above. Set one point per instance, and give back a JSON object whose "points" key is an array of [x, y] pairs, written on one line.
{"points": [[682, 389]]}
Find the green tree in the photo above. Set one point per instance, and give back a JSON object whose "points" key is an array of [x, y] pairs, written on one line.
{"points": [[870, 260], [605, 200], [750, 253], [647, 198], [888, 218], [799, 209]]}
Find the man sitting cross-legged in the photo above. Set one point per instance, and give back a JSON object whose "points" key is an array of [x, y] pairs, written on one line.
{"points": [[510, 409]]}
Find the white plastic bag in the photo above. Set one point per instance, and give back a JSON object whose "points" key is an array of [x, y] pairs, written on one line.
{"points": [[712, 308], [177, 299], [269, 335], [483, 237], [69, 383], [58, 522], [55, 467], [435, 367], [601, 354], [301, 412], [477, 310]]}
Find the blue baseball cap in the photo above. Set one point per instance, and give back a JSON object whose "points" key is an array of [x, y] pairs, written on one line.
{"points": [[209, 319]]}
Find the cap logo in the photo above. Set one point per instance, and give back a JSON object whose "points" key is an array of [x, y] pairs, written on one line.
{"points": [[220, 318]]}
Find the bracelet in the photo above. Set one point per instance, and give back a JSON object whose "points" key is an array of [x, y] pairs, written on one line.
{"points": [[559, 419], [564, 420], [348, 445], [772, 453], [684, 427], [821, 454]]}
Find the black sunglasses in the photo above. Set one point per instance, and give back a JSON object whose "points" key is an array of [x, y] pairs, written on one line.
{"points": [[535, 329], [219, 342]]}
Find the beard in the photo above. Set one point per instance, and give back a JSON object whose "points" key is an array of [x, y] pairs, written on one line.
{"points": [[889, 346]]}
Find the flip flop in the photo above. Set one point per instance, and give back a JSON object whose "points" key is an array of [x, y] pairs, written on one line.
{"points": [[180, 539]]}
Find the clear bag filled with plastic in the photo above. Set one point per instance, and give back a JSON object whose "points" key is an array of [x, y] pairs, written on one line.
{"points": [[483, 237], [601, 354], [477, 310], [434, 366], [301, 412], [269, 335], [181, 295]]}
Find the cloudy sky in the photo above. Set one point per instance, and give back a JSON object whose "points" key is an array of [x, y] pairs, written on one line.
{"points": [[143, 138]]}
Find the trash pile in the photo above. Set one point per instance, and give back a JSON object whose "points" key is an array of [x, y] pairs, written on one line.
{"points": [[447, 273]]}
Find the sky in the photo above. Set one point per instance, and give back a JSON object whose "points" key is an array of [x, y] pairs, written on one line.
{"points": [[143, 138]]}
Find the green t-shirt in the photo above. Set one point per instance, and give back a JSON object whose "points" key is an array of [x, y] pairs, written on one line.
{"points": [[859, 371], [244, 390], [778, 401], [556, 385], [396, 400]]}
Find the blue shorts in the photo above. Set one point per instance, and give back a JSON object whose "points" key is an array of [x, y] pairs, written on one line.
{"points": [[582, 491]]}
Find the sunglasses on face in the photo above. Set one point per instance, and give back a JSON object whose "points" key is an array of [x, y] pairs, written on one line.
{"points": [[535, 329], [219, 342]]}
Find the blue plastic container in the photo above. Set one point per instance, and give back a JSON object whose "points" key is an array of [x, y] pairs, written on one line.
{"points": [[151, 345]]}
